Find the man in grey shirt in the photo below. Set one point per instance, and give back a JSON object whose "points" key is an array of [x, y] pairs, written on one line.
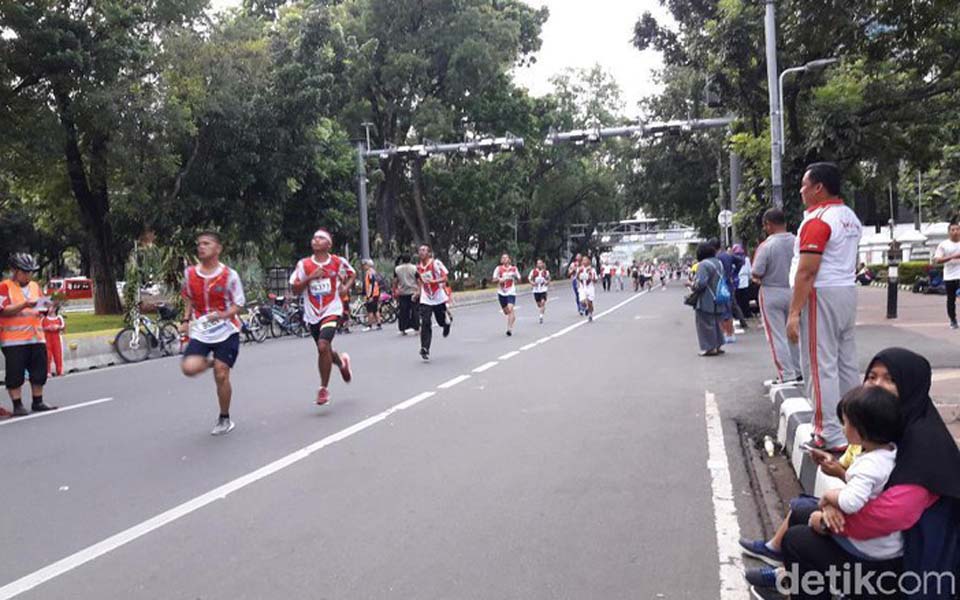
{"points": [[771, 269], [406, 287]]}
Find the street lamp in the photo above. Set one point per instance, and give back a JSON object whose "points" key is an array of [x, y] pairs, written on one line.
{"points": [[811, 67]]}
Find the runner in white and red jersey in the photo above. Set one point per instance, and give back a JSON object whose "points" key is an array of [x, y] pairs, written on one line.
{"points": [[539, 278], [432, 276], [586, 278], [319, 280], [213, 297], [506, 276]]}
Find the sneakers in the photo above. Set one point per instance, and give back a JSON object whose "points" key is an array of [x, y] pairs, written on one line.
{"points": [[345, 370], [759, 549], [509, 333], [541, 319], [764, 577], [224, 425], [446, 329], [732, 339], [953, 325], [41, 407], [366, 329], [19, 411], [323, 396], [424, 354], [817, 441], [590, 318]]}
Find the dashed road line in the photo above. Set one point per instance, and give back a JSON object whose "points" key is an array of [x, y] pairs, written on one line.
{"points": [[452, 382], [485, 366]]}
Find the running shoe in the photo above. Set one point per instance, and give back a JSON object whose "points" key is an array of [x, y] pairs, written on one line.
{"points": [[224, 425], [541, 319], [345, 370], [764, 577], [590, 317], [323, 396], [953, 325], [424, 354], [446, 329], [366, 329], [759, 549], [509, 333]]}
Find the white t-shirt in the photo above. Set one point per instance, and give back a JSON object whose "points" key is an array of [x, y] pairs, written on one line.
{"points": [[866, 478], [951, 269], [506, 278], [432, 292], [540, 280], [832, 230]]}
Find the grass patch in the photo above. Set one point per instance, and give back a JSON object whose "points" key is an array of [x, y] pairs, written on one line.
{"points": [[87, 322]]}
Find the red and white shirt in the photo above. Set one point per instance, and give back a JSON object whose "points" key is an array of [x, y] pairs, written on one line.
{"points": [[506, 278], [432, 292], [540, 279], [586, 276], [321, 297], [832, 230], [207, 293]]}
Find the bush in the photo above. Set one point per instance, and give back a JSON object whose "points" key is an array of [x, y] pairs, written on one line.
{"points": [[911, 270]]}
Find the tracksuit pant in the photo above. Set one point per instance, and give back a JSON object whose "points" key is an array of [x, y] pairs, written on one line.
{"points": [[828, 354], [774, 309], [952, 287]]}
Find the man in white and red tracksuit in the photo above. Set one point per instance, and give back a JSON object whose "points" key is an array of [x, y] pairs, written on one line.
{"points": [[823, 309]]}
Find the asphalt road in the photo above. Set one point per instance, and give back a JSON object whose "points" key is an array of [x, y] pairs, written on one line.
{"points": [[573, 468]]}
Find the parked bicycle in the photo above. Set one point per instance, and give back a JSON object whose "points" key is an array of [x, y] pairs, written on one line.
{"points": [[252, 326], [286, 318], [388, 310], [135, 342]]}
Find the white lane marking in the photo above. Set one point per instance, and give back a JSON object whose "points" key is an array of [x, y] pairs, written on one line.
{"points": [[452, 382], [60, 410], [528, 346], [617, 306], [80, 558], [544, 339], [126, 536], [732, 583], [486, 366]]}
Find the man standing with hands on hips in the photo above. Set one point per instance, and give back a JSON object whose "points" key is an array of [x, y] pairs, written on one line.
{"points": [[823, 308], [948, 255]]}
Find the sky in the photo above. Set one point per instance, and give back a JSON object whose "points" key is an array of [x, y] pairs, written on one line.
{"points": [[582, 33]]}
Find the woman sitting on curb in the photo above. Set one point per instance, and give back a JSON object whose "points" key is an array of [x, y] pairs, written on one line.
{"points": [[922, 499]]}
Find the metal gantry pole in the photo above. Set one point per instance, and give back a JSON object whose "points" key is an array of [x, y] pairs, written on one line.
{"points": [[362, 201], [776, 135], [734, 188]]}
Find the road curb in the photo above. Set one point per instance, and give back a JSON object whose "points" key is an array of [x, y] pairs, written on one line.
{"points": [[84, 352]]}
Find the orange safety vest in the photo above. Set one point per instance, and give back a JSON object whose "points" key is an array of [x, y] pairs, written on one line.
{"points": [[25, 327]]}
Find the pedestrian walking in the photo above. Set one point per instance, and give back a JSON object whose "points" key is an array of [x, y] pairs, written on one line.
{"points": [[823, 308], [319, 279], [771, 270], [948, 255], [432, 275], [213, 297], [21, 335], [53, 326], [371, 294], [405, 289], [708, 309], [607, 276]]}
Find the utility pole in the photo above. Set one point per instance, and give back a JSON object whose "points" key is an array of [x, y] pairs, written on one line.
{"points": [[776, 135], [734, 189], [362, 201]]}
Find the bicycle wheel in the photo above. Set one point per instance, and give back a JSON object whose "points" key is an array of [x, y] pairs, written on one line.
{"points": [[388, 312], [257, 330], [276, 329], [132, 346], [359, 315], [297, 326], [169, 340]]}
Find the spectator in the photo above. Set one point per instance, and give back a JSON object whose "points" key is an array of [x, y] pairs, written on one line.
{"points": [[405, 289], [731, 268], [742, 294], [922, 496], [21, 335], [371, 294], [948, 255], [53, 324], [771, 270], [708, 311], [864, 274], [823, 308]]}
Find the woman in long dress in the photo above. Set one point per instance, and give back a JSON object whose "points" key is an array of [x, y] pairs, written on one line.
{"points": [[708, 312]]}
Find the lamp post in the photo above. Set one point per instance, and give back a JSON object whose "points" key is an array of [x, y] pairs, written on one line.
{"points": [[810, 67]]}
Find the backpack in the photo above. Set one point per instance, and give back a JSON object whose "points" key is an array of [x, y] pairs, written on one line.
{"points": [[722, 294]]}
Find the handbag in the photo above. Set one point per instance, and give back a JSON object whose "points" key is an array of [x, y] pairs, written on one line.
{"points": [[692, 298]]}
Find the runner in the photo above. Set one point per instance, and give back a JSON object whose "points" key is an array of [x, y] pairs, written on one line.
{"points": [[572, 274], [506, 277], [587, 277], [213, 296], [320, 280], [433, 298], [540, 279], [662, 272]]}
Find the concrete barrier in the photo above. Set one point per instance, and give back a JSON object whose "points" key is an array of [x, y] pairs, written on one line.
{"points": [[84, 351]]}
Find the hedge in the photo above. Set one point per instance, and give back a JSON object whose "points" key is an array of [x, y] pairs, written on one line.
{"points": [[909, 271]]}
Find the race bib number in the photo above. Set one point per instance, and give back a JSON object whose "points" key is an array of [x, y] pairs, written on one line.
{"points": [[427, 276], [320, 287], [540, 280], [206, 325]]}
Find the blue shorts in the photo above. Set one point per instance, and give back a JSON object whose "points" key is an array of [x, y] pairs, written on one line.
{"points": [[225, 351], [505, 300]]}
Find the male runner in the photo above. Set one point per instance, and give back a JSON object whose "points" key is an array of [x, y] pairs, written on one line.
{"points": [[540, 279], [433, 298], [506, 276], [213, 296], [319, 279], [586, 278], [572, 274]]}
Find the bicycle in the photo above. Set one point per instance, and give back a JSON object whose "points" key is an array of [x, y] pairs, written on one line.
{"points": [[286, 318], [388, 310], [252, 326], [134, 343]]}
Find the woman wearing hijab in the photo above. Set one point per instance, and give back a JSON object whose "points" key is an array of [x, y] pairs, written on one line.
{"points": [[922, 497], [708, 312]]}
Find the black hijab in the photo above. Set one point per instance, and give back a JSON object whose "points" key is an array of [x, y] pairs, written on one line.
{"points": [[927, 454]]}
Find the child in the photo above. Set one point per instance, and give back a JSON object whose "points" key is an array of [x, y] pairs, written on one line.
{"points": [[53, 325], [871, 421]]}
